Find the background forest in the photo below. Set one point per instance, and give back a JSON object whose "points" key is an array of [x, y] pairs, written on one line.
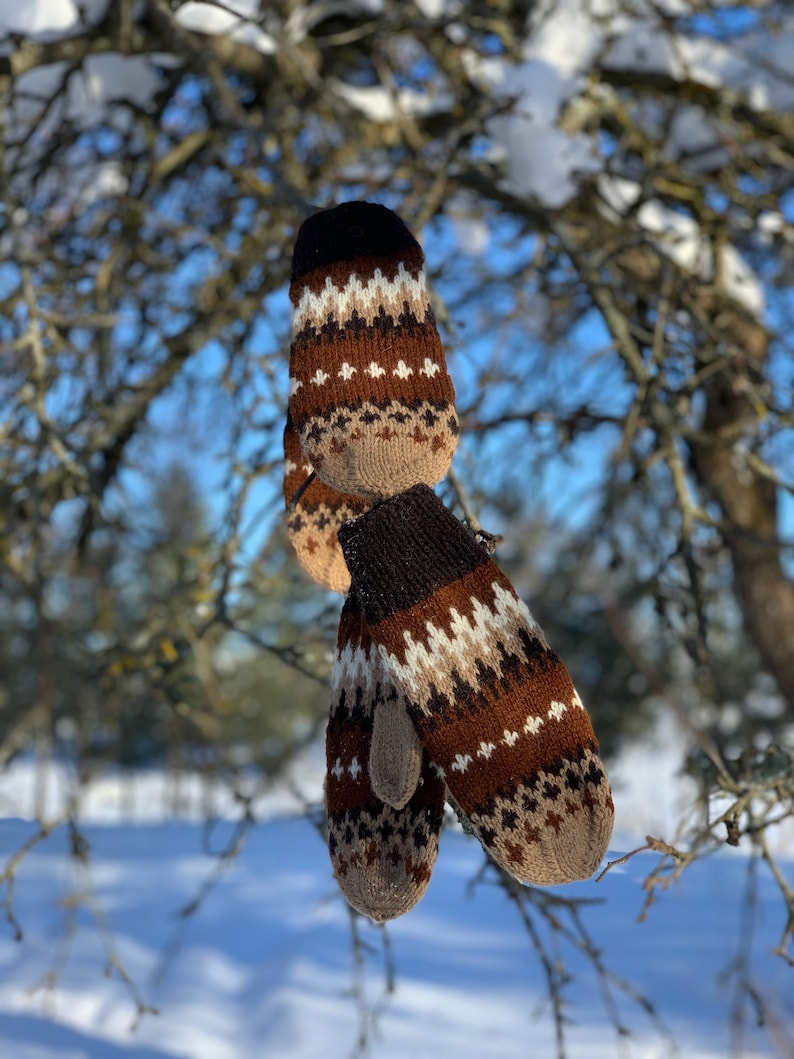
{"points": [[604, 190]]}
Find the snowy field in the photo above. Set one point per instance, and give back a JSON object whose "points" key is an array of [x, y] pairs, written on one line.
{"points": [[267, 968]]}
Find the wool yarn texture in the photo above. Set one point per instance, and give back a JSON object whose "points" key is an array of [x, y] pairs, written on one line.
{"points": [[382, 856], [493, 705], [312, 520], [370, 396]]}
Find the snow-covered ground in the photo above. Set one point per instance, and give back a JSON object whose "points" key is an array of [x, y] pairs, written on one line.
{"points": [[266, 966]]}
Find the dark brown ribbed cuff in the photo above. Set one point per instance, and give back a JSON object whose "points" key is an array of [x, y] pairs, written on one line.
{"points": [[404, 550]]}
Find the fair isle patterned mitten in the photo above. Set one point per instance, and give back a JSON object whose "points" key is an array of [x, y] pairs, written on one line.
{"points": [[315, 517], [370, 396], [492, 703], [382, 857]]}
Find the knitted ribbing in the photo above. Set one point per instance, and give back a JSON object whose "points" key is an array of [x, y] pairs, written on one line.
{"points": [[370, 396], [316, 516], [382, 857], [493, 704]]}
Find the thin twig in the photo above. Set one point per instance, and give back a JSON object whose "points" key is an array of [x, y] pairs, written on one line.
{"points": [[296, 496]]}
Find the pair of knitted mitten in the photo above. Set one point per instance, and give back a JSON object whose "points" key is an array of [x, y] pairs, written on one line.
{"points": [[370, 413], [441, 676]]}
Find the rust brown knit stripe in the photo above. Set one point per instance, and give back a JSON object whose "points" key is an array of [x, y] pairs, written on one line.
{"points": [[352, 630], [339, 374], [494, 750], [349, 735]]}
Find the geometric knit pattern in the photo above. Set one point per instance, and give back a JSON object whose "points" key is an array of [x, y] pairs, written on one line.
{"points": [[315, 518], [493, 705], [382, 857], [370, 396]]}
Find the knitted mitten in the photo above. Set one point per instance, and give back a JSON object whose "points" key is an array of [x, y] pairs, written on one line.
{"points": [[370, 395], [313, 521], [382, 857], [492, 703]]}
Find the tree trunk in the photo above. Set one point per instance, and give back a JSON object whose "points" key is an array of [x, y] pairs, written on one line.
{"points": [[749, 505]]}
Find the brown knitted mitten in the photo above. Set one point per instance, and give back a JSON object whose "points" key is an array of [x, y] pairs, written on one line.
{"points": [[492, 703], [370, 396], [382, 857]]}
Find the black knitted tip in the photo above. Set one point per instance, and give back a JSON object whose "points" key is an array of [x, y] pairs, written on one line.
{"points": [[348, 231], [403, 550]]}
